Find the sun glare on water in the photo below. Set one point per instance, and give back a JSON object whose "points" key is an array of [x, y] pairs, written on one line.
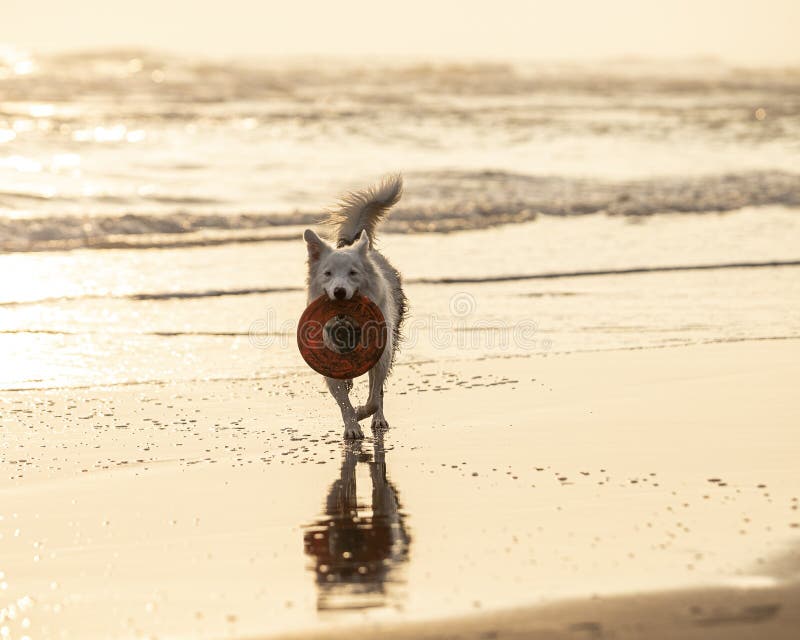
{"points": [[15, 62]]}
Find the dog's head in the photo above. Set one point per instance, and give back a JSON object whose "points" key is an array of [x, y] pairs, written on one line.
{"points": [[339, 272]]}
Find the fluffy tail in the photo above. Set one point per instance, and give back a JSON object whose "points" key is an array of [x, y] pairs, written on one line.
{"points": [[362, 210]]}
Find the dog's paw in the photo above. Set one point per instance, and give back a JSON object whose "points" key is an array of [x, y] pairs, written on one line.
{"points": [[379, 421], [353, 432]]}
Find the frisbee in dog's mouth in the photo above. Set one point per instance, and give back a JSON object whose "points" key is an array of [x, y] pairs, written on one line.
{"points": [[341, 334], [342, 338]]}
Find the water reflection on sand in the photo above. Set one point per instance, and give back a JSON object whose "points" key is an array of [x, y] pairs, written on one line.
{"points": [[359, 548]]}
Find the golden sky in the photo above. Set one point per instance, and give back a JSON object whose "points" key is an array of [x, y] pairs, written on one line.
{"points": [[754, 31]]}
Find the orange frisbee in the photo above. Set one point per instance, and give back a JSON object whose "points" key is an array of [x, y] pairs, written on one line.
{"points": [[341, 338]]}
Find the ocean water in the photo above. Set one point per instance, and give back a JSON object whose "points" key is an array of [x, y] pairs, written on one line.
{"points": [[109, 146], [151, 206]]}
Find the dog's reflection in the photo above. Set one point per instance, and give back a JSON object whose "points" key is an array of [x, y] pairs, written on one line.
{"points": [[357, 548]]}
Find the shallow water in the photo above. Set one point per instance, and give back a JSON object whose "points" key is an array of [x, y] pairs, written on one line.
{"points": [[119, 316], [196, 177]]}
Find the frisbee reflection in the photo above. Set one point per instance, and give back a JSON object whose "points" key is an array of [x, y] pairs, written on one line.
{"points": [[358, 549]]}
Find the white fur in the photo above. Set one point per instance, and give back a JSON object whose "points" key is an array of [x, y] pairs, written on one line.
{"points": [[359, 211], [359, 268]]}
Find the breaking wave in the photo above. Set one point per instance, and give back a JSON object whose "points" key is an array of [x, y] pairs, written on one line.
{"points": [[439, 201]]}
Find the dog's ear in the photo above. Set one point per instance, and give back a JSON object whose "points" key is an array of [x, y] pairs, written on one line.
{"points": [[316, 246], [362, 243]]}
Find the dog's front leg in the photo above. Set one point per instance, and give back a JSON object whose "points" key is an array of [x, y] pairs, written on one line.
{"points": [[340, 391], [374, 406]]}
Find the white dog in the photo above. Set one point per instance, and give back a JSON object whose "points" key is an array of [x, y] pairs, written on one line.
{"points": [[355, 266]]}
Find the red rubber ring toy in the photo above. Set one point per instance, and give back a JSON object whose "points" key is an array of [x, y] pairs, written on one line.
{"points": [[341, 339]]}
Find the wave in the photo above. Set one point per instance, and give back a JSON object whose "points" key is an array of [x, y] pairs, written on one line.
{"points": [[158, 334], [142, 230], [610, 272], [440, 201], [213, 293], [548, 275]]}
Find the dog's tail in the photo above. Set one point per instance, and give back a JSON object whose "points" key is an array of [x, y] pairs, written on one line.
{"points": [[360, 211]]}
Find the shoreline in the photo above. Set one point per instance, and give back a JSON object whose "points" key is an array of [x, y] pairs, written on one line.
{"points": [[305, 371]]}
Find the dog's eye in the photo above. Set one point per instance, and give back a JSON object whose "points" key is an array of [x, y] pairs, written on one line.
{"points": [[327, 273], [353, 272]]}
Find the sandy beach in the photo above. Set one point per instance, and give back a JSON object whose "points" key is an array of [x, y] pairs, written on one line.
{"points": [[630, 493]]}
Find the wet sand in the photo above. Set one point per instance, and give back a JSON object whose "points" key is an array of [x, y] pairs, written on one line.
{"points": [[707, 614], [642, 491]]}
